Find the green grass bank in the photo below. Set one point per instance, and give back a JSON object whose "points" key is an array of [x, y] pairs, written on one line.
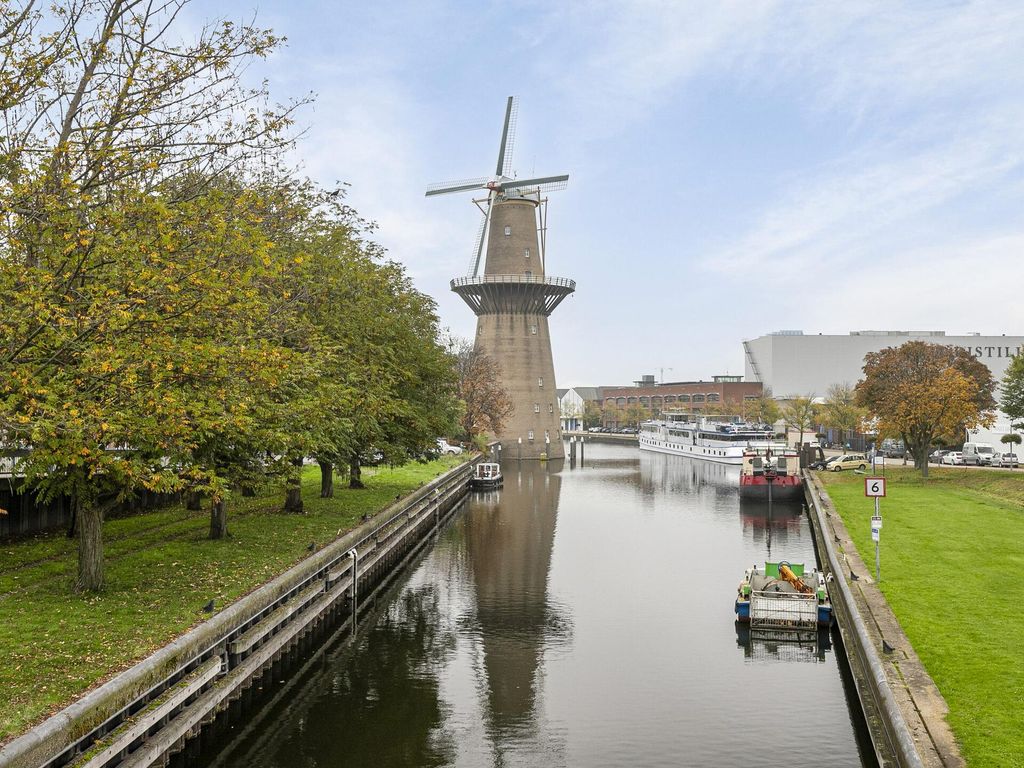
{"points": [[952, 554], [160, 571]]}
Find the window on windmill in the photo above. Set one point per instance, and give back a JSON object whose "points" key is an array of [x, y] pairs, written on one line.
{"points": [[540, 381], [508, 231], [529, 273], [551, 407], [529, 435], [533, 330], [526, 252], [536, 407]]}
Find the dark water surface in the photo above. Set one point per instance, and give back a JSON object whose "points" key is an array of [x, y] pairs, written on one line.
{"points": [[580, 616]]}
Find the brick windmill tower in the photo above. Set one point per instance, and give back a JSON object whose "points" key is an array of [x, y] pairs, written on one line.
{"points": [[513, 297]]}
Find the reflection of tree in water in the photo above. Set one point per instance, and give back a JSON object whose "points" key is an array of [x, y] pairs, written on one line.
{"points": [[376, 703], [509, 543]]}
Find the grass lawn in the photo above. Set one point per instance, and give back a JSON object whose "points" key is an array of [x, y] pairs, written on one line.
{"points": [[952, 554], [160, 570]]}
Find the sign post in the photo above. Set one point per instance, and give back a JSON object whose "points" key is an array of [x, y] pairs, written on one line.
{"points": [[874, 487]]}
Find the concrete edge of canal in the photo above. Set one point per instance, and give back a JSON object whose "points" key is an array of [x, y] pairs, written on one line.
{"points": [[144, 714], [905, 712]]}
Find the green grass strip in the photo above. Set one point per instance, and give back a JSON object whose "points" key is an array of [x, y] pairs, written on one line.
{"points": [[160, 570], [951, 562]]}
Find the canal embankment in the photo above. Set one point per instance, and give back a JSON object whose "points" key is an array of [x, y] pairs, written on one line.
{"points": [[940, 621], [159, 578]]}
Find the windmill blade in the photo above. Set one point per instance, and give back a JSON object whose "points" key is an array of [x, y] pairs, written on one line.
{"points": [[540, 184], [478, 245], [508, 137], [461, 185], [480, 242], [508, 134]]}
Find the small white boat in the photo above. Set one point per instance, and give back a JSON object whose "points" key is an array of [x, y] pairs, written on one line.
{"points": [[486, 475]]}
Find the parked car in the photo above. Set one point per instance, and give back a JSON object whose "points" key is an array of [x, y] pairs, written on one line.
{"points": [[953, 457], [447, 448], [1005, 460], [936, 456], [823, 463], [848, 461]]}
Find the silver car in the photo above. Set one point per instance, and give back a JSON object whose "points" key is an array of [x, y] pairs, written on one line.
{"points": [[1005, 460], [953, 457]]}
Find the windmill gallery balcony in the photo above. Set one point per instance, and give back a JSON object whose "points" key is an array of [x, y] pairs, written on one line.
{"points": [[513, 294]]}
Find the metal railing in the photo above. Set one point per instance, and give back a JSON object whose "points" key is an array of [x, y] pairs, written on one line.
{"points": [[270, 629], [783, 610], [558, 282]]}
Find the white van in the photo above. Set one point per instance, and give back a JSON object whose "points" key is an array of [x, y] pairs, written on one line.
{"points": [[978, 453]]}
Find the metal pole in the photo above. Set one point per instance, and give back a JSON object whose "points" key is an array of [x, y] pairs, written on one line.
{"points": [[878, 565], [354, 554]]}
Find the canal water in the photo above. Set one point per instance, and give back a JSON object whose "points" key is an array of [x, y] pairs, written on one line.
{"points": [[580, 616]]}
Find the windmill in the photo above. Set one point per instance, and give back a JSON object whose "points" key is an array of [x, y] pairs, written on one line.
{"points": [[513, 297], [502, 185]]}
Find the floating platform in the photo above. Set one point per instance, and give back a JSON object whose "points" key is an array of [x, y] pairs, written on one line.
{"points": [[783, 596]]}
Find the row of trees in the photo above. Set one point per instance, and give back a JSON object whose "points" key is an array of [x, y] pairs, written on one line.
{"points": [[181, 313]]}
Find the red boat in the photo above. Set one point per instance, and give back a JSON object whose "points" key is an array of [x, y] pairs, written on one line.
{"points": [[771, 473]]}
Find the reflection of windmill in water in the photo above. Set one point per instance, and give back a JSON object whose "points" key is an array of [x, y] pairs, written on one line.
{"points": [[509, 546], [513, 297]]}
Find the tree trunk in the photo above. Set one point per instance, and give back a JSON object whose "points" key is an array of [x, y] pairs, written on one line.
{"points": [[193, 501], [90, 548], [293, 496], [355, 472], [72, 525], [218, 519], [326, 479]]}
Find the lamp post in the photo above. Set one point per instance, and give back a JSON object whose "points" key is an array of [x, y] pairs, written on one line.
{"points": [[519, 450]]}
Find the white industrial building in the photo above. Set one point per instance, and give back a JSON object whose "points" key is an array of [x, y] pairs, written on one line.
{"points": [[797, 364]]}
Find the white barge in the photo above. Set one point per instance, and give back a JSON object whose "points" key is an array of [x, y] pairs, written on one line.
{"points": [[705, 437]]}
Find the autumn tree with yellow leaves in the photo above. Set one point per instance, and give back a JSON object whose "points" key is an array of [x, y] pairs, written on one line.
{"points": [[181, 314], [921, 391]]}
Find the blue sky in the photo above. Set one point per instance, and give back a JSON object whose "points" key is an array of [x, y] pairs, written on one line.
{"points": [[735, 167]]}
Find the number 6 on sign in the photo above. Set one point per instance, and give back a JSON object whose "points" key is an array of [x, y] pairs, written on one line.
{"points": [[874, 486]]}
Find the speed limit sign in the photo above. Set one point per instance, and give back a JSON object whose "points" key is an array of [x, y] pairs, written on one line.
{"points": [[874, 486]]}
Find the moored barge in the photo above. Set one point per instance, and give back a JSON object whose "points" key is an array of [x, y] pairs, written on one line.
{"points": [[771, 474], [783, 596]]}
